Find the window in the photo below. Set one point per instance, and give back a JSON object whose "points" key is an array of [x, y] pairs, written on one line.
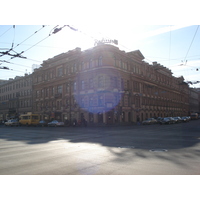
{"points": [[47, 92], [100, 100], [42, 93], [58, 105], [100, 61], [51, 75], [122, 83], [115, 60], [74, 69], [75, 86], [115, 82], [37, 93], [136, 87], [122, 64], [60, 88], [82, 103], [137, 102], [90, 63], [67, 88], [100, 81], [91, 83], [82, 85], [59, 71], [82, 66], [91, 101], [53, 91]]}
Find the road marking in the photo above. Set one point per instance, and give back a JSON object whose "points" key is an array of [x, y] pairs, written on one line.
{"points": [[158, 150]]}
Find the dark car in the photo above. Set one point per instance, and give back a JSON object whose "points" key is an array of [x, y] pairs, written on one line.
{"points": [[146, 122], [153, 121], [177, 119], [43, 123], [172, 120], [185, 119], [166, 120]]}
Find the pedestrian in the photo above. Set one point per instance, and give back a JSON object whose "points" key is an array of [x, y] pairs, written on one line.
{"points": [[74, 122], [138, 120]]}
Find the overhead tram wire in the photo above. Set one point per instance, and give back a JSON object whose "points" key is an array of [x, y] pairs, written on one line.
{"points": [[55, 30], [26, 39], [43, 26], [5, 31], [191, 43], [11, 49], [50, 34]]}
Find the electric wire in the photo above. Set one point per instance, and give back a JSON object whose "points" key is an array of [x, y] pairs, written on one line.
{"points": [[30, 36], [55, 29], [5, 31], [13, 38], [191, 43], [50, 34], [12, 48]]}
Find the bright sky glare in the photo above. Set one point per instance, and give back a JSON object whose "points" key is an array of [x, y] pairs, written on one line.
{"points": [[173, 46]]}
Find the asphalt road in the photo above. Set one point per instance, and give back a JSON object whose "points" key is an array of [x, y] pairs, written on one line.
{"points": [[129, 150]]}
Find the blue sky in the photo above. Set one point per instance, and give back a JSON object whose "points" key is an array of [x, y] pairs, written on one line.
{"points": [[167, 44], [135, 26]]}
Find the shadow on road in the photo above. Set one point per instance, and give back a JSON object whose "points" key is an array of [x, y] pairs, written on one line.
{"points": [[122, 142]]}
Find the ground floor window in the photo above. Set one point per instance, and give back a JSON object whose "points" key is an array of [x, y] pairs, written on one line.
{"points": [[91, 117], [100, 117]]}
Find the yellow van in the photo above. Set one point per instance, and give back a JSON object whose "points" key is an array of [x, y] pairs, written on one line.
{"points": [[29, 119], [194, 116]]}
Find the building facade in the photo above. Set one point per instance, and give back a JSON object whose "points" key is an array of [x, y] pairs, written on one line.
{"points": [[15, 97], [106, 85], [194, 100]]}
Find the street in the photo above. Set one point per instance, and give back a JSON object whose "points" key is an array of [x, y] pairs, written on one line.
{"points": [[127, 150]]}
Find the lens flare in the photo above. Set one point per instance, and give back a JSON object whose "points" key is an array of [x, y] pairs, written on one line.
{"points": [[100, 89]]}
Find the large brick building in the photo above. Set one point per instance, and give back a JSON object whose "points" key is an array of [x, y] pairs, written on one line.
{"points": [[106, 85]]}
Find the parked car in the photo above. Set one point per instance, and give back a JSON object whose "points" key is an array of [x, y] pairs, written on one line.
{"points": [[172, 120], [153, 121], [185, 119], [43, 123], [12, 122], [166, 120], [55, 123], [159, 119], [149, 121], [194, 116], [177, 119], [189, 118], [146, 122]]}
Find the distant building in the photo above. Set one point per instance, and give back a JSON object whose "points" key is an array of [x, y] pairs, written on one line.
{"points": [[16, 97], [193, 100]]}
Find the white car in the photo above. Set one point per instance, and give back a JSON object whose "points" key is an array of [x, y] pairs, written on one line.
{"points": [[55, 123], [12, 122]]}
